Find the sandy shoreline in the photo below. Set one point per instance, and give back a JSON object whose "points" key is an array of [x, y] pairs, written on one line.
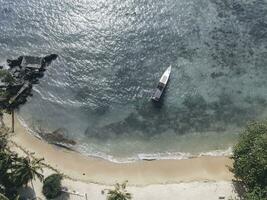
{"points": [[140, 173]]}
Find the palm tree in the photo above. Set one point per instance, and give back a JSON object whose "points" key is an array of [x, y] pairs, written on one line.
{"points": [[26, 169], [7, 160], [7, 184], [3, 197], [118, 193]]}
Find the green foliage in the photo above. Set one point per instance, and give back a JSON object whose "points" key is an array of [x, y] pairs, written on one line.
{"points": [[6, 162], [7, 183], [15, 171], [3, 138], [250, 160], [3, 94], [6, 76], [3, 197], [52, 186], [118, 193], [256, 194], [27, 169]]}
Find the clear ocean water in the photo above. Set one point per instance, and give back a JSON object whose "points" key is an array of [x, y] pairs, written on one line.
{"points": [[111, 56]]}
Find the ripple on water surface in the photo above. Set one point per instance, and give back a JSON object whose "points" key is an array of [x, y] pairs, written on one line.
{"points": [[112, 54]]}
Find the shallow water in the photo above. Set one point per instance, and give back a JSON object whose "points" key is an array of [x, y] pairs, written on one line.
{"points": [[113, 52]]}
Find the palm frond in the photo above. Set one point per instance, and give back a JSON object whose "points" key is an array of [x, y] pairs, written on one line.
{"points": [[118, 193]]}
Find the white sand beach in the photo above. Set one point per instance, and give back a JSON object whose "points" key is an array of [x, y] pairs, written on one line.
{"points": [[197, 178]]}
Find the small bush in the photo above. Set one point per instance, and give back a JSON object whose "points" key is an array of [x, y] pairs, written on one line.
{"points": [[52, 186]]}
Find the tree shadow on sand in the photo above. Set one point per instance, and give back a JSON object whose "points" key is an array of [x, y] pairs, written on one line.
{"points": [[239, 189], [27, 193], [63, 196]]}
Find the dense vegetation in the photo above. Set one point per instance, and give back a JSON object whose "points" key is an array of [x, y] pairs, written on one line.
{"points": [[52, 186], [16, 85], [250, 161], [6, 77], [118, 193], [15, 171]]}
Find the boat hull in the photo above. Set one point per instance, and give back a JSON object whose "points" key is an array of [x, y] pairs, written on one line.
{"points": [[161, 85]]}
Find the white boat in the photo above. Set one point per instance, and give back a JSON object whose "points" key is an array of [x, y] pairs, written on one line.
{"points": [[162, 84]]}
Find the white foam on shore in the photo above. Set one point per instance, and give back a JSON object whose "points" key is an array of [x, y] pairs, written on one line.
{"points": [[24, 124], [227, 152], [158, 156], [140, 156]]}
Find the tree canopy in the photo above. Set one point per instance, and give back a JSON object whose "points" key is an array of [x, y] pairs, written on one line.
{"points": [[250, 160], [52, 186]]}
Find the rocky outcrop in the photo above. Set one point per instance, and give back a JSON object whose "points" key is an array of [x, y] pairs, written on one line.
{"points": [[48, 59], [17, 82], [14, 63], [16, 85], [58, 138]]}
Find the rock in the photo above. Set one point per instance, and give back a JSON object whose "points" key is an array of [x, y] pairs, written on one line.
{"points": [[57, 136], [23, 69], [14, 63], [48, 59]]}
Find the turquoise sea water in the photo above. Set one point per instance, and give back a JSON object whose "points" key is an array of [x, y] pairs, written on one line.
{"points": [[113, 52]]}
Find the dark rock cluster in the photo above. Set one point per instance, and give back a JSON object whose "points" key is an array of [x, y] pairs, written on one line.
{"points": [[16, 81], [58, 138], [16, 85]]}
